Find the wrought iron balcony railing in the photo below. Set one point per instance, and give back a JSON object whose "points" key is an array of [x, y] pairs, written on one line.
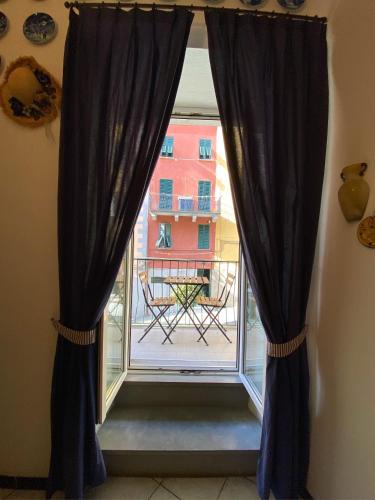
{"points": [[173, 204], [159, 269]]}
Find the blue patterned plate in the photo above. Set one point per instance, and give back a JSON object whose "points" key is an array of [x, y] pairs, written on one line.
{"points": [[4, 24], [291, 4], [39, 28], [254, 3]]}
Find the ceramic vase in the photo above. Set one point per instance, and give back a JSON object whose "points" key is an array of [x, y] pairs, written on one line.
{"points": [[354, 193]]}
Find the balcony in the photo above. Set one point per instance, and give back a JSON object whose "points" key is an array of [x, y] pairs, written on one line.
{"points": [[185, 353], [184, 206]]}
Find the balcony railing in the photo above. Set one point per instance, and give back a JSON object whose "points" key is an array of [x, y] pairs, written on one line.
{"points": [[173, 204], [159, 269]]}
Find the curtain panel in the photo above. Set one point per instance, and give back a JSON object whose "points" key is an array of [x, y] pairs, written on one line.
{"points": [[270, 77], [121, 73]]}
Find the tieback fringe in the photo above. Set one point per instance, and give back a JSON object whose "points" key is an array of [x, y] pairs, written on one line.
{"points": [[287, 348], [79, 337]]}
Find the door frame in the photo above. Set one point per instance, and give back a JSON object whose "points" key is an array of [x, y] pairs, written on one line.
{"points": [[106, 395]]}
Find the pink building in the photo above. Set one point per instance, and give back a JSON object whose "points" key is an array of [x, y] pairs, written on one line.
{"points": [[183, 208]]}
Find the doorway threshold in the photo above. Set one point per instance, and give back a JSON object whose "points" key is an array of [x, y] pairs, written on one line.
{"points": [[183, 377]]}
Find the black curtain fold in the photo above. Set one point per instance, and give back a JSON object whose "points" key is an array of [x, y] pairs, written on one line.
{"points": [[121, 73], [271, 83]]}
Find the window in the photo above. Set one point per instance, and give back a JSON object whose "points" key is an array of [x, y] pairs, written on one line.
{"points": [[205, 149], [167, 147], [185, 203], [165, 235], [166, 194], [203, 236], [204, 196]]}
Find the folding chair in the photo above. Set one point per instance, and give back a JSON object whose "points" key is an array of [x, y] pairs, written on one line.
{"points": [[161, 304], [213, 306]]}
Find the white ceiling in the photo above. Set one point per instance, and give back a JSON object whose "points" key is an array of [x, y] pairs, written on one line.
{"points": [[196, 92]]}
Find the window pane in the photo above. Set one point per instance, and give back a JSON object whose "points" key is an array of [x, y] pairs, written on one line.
{"points": [[255, 345], [114, 331], [165, 236]]}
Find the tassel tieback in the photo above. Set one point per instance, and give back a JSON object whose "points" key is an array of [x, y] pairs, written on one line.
{"points": [[287, 348], [79, 337]]}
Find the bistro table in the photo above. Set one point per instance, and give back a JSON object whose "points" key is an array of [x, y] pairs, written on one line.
{"points": [[186, 290]]}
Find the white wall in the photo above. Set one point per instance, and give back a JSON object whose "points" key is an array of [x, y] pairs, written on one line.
{"points": [[342, 335], [341, 338]]}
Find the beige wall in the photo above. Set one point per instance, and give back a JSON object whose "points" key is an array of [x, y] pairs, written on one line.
{"points": [[342, 335], [28, 261], [341, 339]]}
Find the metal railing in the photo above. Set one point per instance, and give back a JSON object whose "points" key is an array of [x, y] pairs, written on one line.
{"points": [[184, 204], [159, 269]]}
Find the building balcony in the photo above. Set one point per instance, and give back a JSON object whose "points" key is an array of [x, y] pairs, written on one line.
{"points": [[184, 206]]}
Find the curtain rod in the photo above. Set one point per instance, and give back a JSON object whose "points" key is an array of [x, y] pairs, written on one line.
{"points": [[120, 5]]}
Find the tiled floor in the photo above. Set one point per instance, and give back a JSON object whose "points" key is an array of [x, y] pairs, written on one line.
{"points": [[132, 488]]}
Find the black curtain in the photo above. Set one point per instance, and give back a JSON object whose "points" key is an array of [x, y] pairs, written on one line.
{"points": [[270, 77], [121, 72]]}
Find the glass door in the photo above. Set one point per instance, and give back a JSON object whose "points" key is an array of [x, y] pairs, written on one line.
{"points": [[253, 345], [113, 338]]}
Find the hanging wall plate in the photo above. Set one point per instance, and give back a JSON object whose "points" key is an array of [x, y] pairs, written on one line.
{"points": [[366, 232], [254, 3], [291, 4], [39, 28], [4, 24]]}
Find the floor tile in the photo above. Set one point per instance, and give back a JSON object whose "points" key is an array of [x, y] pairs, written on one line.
{"points": [[5, 493], [124, 488], [239, 488], [163, 494], [197, 488], [27, 494]]}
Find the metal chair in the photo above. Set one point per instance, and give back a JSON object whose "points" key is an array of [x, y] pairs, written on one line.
{"points": [[161, 304], [213, 306]]}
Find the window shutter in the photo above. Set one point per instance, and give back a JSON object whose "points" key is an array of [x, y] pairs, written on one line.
{"points": [[166, 194], [204, 196], [167, 147], [205, 149], [203, 237]]}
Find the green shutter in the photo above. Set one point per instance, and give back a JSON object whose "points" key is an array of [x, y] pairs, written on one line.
{"points": [[167, 147], [166, 194], [205, 149], [203, 237], [204, 196]]}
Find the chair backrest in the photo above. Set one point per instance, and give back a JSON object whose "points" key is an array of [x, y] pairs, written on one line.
{"points": [[143, 278], [227, 287]]}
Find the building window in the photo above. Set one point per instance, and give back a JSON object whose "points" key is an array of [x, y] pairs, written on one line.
{"points": [[203, 237], [165, 194], [205, 149], [204, 196], [165, 236], [185, 203], [167, 147]]}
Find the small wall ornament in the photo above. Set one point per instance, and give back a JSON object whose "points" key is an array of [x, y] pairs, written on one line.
{"points": [[354, 193], [366, 232], [29, 94]]}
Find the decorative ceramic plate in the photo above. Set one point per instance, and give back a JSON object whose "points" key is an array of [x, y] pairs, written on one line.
{"points": [[291, 4], [4, 24], [254, 3], [39, 28], [366, 232]]}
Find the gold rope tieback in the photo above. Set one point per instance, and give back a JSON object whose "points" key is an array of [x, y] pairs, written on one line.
{"points": [[287, 348], [79, 337]]}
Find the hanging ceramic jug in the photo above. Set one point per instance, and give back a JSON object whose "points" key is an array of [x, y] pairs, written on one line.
{"points": [[354, 193]]}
